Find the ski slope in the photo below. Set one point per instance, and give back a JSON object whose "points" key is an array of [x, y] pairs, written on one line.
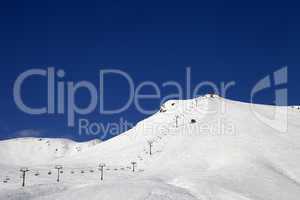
{"points": [[38, 151], [207, 148]]}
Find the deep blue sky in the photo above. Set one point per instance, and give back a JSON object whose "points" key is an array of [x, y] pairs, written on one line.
{"points": [[241, 41]]}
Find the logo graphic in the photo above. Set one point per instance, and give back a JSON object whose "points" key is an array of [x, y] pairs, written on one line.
{"points": [[279, 118]]}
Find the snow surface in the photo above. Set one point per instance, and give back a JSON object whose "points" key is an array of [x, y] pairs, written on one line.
{"points": [[227, 153]]}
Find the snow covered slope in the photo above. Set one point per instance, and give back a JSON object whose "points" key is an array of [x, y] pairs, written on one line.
{"points": [[36, 151], [207, 148]]}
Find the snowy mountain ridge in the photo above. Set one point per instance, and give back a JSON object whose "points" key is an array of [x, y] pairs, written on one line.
{"points": [[36, 151], [208, 148]]}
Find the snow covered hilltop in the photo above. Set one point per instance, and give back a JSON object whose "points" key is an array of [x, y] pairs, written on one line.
{"points": [[207, 148]]}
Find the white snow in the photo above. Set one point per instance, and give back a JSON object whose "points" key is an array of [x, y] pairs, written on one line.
{"points": [[227, 154], [37, 151]]}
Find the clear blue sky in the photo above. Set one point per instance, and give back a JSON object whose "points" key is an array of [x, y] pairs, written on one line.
{"points": [[151, 40]]}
